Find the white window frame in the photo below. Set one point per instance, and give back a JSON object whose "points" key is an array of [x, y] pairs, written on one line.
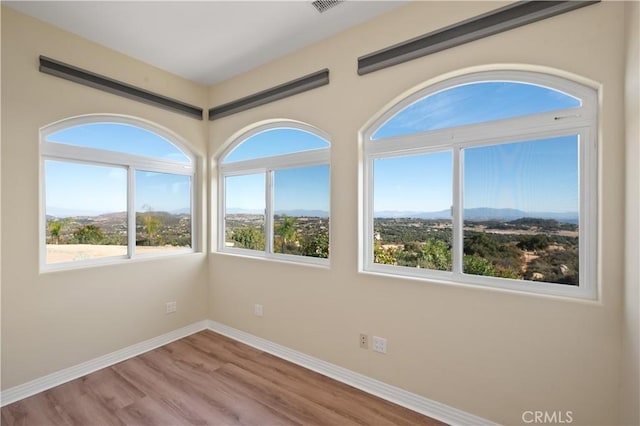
{"points": [[581, 121], [269, 165], [54, 151]]}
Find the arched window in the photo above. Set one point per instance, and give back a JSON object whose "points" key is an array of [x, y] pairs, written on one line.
{"points": [[487, 179], [274, 193], [113, 187]]}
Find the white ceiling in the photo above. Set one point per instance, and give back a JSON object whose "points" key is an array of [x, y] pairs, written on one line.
{"points": [[203, 41]]}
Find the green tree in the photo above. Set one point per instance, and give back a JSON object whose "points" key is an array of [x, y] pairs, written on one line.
{"points": [[557, 266], [499, 250], [432, 254], [534, 242], [436, 254], [482, 245], [286, 229], [55, 229], [247, 237], [114, 239], [88, 234], [316, 245], [385, 256], [476, 265], [151, 224]]}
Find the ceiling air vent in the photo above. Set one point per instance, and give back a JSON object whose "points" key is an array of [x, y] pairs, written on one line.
{"points": [[324, 5]]}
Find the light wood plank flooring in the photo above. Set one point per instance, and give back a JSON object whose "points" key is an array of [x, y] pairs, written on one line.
{"points": [[206, 379]]}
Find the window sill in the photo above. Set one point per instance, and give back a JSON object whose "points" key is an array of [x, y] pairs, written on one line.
{"points": [[563, 293], [278, 258], [114, 261]]}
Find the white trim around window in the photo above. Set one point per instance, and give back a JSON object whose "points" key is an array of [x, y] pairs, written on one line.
{"points": [[70, 154], [268, 165], [581, 122]]}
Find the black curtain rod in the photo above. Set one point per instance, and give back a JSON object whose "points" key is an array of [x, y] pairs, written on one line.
{"points": [[299, 85], [494, 22], [97, 81]]}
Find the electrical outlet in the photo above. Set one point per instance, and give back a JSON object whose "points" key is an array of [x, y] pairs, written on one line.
{"points": [[258, 310], [364, 341], [170, 307], [380, 344]]}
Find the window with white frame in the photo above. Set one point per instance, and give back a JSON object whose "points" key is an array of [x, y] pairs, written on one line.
{"points": [[113, 187], [274, 193], [486, 179]]}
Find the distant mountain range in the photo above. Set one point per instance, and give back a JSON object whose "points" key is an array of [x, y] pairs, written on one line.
{"points": [[57, 212], [481, 213], [244, 211], [303, 213], [295, 213], [62, 212]]}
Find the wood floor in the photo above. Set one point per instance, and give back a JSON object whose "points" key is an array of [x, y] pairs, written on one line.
{"points": [[206, 379]]}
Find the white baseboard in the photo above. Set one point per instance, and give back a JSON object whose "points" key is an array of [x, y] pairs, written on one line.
{"points": [[49, 381], [399, 396]]}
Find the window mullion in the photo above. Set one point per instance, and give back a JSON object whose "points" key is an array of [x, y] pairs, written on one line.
{"points": [[269, 228], [131, 212], [195, 213], [369, 257], [222, 210], [457, 213]]}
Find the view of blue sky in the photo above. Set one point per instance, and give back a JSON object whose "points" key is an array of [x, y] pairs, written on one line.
{"points": [[305, 188], [275, 142], [120, 138], [531, 176], [534, 176], [416, 183], [162, 192], [74, 189], [245, 193], [474, 103], [540, 176], [294, 189]]}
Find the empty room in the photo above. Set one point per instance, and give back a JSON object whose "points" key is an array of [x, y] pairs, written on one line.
{"points": [[320, 213]]}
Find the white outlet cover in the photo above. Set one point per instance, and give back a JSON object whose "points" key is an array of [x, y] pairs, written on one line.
{"points": [[170, 307], [258, 310], [379, 344]]}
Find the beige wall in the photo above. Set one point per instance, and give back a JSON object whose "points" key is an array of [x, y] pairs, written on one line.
{"points": [[55, 320], [1, 9], [492, 353], [630, 371]]}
